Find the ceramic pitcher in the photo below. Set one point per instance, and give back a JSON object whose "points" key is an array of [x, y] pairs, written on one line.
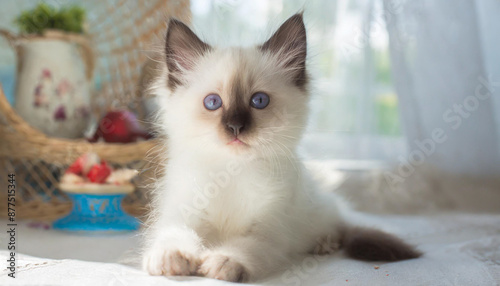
{"points": [[53, 82]]}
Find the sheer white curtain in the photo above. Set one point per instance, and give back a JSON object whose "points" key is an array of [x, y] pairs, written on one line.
{"points": [[446, 69], [446, 63]]}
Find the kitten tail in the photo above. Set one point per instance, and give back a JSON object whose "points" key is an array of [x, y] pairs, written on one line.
{"points": [[375, 245]]}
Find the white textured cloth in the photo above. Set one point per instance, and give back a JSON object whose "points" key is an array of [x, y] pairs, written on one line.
{"points": [[459, 249]]}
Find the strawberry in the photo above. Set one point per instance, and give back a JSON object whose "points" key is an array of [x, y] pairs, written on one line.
{"points": [[83, 164], [77, 166], [99, 172]]}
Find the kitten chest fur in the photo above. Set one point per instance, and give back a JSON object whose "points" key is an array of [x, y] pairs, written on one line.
{"points": [[228, 198]]}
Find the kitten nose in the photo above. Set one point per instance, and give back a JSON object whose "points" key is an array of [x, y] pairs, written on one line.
{"points": [[235, 127]]}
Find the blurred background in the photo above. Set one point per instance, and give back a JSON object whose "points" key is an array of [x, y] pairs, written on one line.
{"points": [[355, 106], [404, 111]]}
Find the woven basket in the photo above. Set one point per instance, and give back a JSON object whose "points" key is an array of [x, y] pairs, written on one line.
{"points": [[121, 49]]}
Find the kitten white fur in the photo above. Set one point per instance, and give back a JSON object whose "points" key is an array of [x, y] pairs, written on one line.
{"points": [[241, 211]]}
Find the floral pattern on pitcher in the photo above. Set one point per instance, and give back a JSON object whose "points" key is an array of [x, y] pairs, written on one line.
{"points": [[53, 90], [64, 87], [65, 95], [45, 83], [60, 113]]}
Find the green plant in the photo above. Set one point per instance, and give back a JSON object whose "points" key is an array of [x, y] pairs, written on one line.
{"points": [[43, 16]]}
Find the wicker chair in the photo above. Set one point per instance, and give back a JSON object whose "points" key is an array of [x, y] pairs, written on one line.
{"points": [[121, 50]]}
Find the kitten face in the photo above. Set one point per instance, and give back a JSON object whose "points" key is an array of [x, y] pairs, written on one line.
{"points": [[237, 100]]}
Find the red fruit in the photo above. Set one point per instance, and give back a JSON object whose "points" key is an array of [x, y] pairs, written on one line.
{"points": [[99, 173], [77, 166], [119, 126], [83, 164]]}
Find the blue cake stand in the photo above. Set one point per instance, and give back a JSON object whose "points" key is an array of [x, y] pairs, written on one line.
{"points": [[97, 208]]}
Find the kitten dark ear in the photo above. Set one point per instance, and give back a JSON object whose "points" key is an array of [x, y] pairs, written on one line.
{"points": [[182, 49], [289, 43]]}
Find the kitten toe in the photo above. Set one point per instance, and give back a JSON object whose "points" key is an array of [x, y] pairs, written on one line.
{"points": [[180, 263], [152, 263], [222, 267], [171, 263]]}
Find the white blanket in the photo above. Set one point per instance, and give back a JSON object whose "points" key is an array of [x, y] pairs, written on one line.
{"points": [[460, 249]]}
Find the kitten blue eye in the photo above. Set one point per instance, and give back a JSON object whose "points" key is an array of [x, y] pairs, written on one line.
{"points": [[212, 102], [259, 100]]}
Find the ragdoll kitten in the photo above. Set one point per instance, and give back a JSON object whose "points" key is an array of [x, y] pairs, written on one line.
{"points": [[235, 203]]}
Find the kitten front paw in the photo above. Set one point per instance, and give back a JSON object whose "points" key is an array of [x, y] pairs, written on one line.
{"points": [[222, 267], [170, 263]]}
